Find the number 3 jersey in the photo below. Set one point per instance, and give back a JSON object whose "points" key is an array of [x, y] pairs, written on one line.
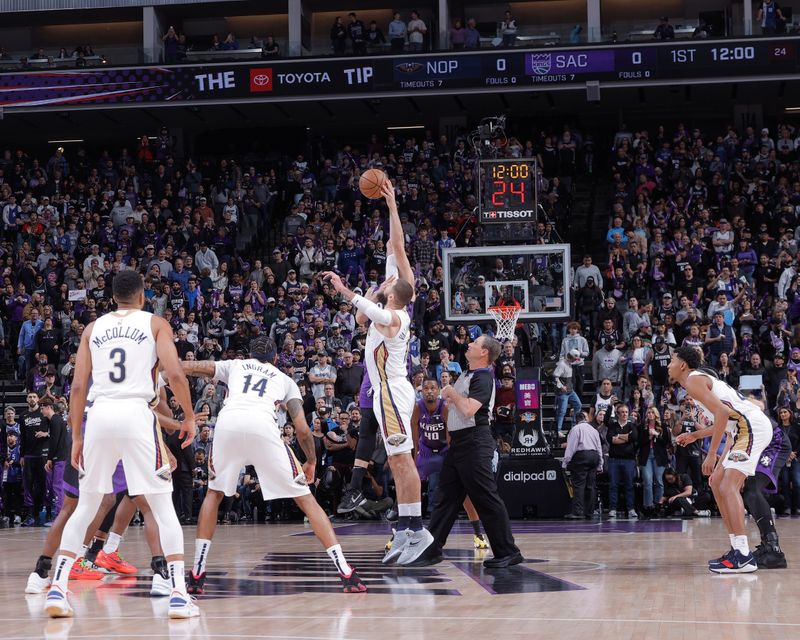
{"points": [[255, 387], [124, 357]]}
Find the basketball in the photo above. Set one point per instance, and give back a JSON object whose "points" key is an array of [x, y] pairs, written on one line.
{"points": [[370, 183]]}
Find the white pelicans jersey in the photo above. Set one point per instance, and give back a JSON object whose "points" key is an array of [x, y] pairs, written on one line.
{"points": [[386, 357], [124, 357], [255, 387]]}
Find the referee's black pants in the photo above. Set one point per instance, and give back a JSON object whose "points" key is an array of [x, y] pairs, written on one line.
{"points": [[583, 468], [467, 471]]}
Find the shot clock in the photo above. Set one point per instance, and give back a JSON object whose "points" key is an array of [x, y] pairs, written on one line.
{"points": [[507, 190]]}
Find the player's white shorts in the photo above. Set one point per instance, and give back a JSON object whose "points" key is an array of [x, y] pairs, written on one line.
{"points": [[124, 430], [393, 404], [242, 438], [753, 435]]}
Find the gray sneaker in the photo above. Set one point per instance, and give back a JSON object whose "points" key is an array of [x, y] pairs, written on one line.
{"points": [[399, 543], [418, 542]]}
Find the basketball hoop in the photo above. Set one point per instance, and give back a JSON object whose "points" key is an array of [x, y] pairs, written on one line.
{"points": [[505, 316]]}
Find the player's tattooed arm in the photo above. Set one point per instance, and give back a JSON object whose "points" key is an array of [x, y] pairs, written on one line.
{"points": [[294, 408], [199, 368]]}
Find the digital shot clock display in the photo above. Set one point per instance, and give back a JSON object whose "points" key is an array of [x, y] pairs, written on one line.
{"points": [[507, 190]]}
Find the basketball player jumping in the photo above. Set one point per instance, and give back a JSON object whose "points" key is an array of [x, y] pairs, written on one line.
{"points": [[749, 431], [353, 496], [393, 395], [247, 433], [120, 351]]}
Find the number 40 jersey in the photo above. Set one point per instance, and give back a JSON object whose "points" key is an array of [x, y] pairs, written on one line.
{"points": [[124, 357], [255, 387]]}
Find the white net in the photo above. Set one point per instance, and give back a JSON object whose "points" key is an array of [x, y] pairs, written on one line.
{"points": [[506, 320]]}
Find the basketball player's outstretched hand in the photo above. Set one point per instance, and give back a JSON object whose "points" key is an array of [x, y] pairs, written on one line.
{"points": [[334, 279], [387, 191], [685, 439], [308, 469], [186, 432]]}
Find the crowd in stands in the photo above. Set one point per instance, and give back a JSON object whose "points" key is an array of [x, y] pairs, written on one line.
{"points": [[702, 251], [79, 56], [71, 222], [176, 45]]}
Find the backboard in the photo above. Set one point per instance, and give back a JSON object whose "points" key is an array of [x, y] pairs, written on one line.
{"points": [[537, 276]]}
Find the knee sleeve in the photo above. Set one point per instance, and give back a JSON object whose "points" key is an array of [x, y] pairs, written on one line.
{"points": [[366, 445], [330, 480], [75, 529], [367, 435], [169, 529]]}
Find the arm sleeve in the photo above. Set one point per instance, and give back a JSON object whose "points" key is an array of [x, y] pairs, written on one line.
{"points": [[391, 267], [372, 310], [223, 370]]}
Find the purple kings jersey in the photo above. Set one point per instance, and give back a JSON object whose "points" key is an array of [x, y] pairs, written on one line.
{"points": [[365, 392], [432, 428]]}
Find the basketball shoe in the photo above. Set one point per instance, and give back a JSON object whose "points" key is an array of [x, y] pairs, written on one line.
{"points": [[160, 586], [735, 562], [768, 554], [352, 583], [196, 584], [37, 584], [351, 500], [114, 562], [182, 606], [57, 605], [417, 542], [82, 571], [719, 560], [399, 543], [479, 541]]}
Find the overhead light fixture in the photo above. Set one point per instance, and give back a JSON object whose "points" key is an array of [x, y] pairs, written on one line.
{"points": [[64, 141], [411, 126], [792, 109]]}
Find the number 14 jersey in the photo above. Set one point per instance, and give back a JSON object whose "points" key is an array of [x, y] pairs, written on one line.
{"points": [[255, 387]]}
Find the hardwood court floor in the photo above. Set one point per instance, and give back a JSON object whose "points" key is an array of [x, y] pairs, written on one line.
{"points": [[610, 580]]}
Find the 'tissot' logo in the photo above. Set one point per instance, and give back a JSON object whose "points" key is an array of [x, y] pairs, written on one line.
{"points": [[523, 476], [260, 79]]}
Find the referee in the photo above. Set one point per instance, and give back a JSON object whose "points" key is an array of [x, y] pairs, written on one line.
{"points": [[467, 468]]}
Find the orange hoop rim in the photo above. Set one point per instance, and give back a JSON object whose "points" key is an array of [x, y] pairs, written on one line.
{"points": [[505, 311]]}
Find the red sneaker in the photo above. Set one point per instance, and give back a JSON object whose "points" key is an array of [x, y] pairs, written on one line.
{"points": [[114, 562], [80, 571], [352, 583]]}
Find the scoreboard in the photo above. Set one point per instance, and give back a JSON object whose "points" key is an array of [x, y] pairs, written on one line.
{"points": [[492, 70], [507, 190]]}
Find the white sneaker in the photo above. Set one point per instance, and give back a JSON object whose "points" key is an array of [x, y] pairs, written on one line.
{"points": [[160, 586], [632, 515], [399, 543], [612, 514], [417, 543], [703, 513], [182, 606], [57, 605], [37, 584]]}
